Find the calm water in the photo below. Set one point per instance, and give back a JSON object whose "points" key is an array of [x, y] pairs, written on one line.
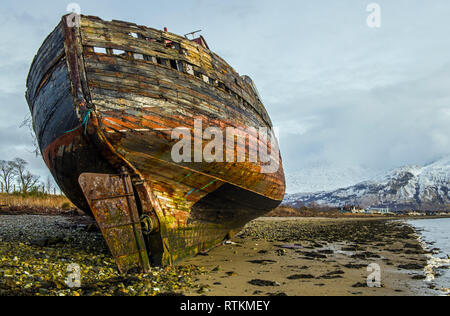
{"points": [[436, 234]]}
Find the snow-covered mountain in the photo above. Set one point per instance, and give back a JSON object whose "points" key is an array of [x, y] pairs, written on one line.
{"points": [[322, 177], [411, 187]]}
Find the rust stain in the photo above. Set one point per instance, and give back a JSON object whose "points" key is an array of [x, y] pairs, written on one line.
{"points": [[144, 84], [113, 204]]}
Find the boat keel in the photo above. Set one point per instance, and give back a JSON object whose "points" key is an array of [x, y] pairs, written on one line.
{"points": [[113, 204]]}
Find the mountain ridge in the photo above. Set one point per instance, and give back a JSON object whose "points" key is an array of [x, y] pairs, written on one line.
{"points": [[409, 187]]}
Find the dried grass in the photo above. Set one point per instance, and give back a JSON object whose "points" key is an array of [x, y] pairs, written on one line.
{"points": [[30, 204], [285, 211]]}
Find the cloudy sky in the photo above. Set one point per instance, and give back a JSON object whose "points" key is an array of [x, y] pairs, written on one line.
{"points": [[351, 101]]}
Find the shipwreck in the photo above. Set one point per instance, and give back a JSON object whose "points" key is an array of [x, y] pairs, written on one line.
{"points": [[105, 96]]}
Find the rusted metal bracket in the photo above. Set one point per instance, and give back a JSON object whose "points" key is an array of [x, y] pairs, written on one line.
{"points": [[113, 204], [147, 224]]}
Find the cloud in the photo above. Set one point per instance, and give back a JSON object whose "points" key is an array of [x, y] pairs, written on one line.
{"points": [[344, 95], [384, 127]]}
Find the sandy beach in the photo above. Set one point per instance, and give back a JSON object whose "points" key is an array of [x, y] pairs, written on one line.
{"points": [[314, 256], [272, 256]]}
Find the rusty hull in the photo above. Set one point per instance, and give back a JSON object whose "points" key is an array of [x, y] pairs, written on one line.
{"points": [[101, 116]]}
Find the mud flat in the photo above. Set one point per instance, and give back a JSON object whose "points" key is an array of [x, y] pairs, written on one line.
{"points": [[316, 257], [270, 257]]}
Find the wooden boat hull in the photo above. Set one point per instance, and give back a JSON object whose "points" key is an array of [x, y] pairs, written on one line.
{"points": [[98, 114]]}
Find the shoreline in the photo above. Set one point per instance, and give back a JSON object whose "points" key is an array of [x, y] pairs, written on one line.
{"points": [[436, 271], [316, 256], [271, 256]]}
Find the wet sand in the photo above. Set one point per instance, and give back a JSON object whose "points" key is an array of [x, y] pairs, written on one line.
{"points": [[306, 257], [272, 256]]}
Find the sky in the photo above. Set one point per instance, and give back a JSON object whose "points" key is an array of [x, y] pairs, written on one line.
{"points": [[350, 101]]}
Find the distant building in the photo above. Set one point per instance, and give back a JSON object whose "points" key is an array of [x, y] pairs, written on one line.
{"points": [[357, 210], [378, 210], [344, 211]]}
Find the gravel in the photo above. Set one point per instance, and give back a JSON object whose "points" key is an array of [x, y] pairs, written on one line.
{"points": [[37, 253]]}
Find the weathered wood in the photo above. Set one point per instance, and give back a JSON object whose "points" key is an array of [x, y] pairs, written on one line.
{"points": [[110, 36], [117, 68], [100, 113], [49, 53]]}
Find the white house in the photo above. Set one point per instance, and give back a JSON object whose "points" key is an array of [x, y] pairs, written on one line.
{"points": [[378, 210], [356, 210]]}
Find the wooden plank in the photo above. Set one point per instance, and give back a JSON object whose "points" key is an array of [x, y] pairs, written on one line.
{"points": [[49, 53], [213, 65], [200, 88]]}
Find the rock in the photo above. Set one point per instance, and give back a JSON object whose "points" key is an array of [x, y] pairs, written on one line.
{"points": [[411, 266], [349, 249], [263, 262], [43, 291], [203, 289], [365, 255], [55, 240], [290, 246], [330, 277], [301, 277], [277, 294], [359, 284], [258, 282], [414, 252], [314, 255], [298, 268], [41, 242], [413, 246], [326, 252], [333, 275]]}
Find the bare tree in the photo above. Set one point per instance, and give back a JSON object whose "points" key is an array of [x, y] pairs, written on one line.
{"points": [[25, 178], [28, 182], [7, 174], [28, 123]]}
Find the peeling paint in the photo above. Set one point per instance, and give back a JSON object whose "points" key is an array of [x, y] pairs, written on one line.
{"points": [[133, 99]]}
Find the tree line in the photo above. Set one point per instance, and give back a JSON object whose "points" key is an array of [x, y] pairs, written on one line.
{"points": [[15, 177]]}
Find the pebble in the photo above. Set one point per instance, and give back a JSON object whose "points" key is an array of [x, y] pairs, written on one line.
{"points": [[35, 253]]}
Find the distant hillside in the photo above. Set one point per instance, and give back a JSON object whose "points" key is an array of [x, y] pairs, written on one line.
{"points": [[323, 177], [411, 187]]}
